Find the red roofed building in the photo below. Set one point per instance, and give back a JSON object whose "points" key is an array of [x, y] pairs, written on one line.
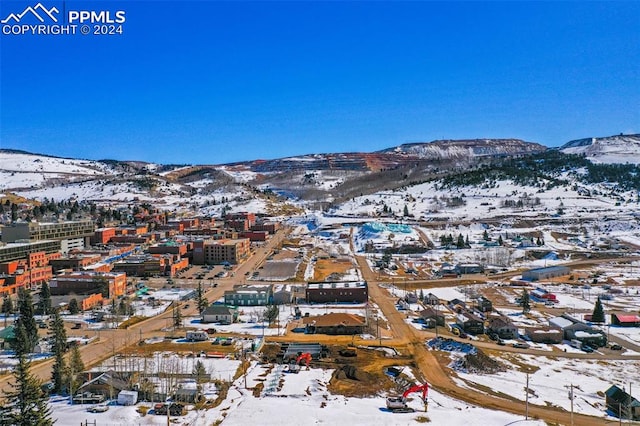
{"points": [[625, 319]]}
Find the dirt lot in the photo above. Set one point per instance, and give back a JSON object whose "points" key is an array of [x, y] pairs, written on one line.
{"points": [[358, 376], [325, 268]]}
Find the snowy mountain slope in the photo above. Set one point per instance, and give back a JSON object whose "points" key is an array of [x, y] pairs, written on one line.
{"points": [[456, 179], [619, 149], [468, 149]]}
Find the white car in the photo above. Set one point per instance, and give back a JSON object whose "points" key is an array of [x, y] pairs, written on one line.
{"points": [[100, 408]]}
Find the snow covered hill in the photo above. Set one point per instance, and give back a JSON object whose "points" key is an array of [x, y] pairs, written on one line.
{"points": [[468, 148], [619, 149]]}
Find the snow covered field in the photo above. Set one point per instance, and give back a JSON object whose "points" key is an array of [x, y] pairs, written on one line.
{"points": [[294, 399]]}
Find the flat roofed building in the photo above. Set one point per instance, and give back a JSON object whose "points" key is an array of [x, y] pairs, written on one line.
{"points": [[47, 231], [216, 252], [88, 283], [249, 295], [337, 292], [21, 250]]}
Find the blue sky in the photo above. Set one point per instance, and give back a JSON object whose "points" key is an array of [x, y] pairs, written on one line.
{"points": [[216, 82]]}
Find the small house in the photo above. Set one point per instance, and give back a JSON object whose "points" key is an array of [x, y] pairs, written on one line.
{"points": [[219, 314], [470, 268], [411, 298], [335, 323], [547, 335], [431, 299], [621, 404], [503, 328], [431, 317], [483, 304], [470, 323]]}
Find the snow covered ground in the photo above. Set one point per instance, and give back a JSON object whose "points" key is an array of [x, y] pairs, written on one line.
{"points": [[552, 378], [300, 399]]}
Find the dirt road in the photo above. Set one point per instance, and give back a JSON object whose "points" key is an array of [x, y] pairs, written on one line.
{"points": [[438, 377]]}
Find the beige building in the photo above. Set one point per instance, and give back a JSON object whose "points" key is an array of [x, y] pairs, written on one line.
{"points": [[216, 252]]}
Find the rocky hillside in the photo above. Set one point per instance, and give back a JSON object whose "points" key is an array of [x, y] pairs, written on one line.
{"points": [[468, 149], [618, 149]]}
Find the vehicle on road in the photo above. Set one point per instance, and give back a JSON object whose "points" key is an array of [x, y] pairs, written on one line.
{"points": [[520, 345], [615, 347]]}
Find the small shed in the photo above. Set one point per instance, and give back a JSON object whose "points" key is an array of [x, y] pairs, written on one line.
{"points": [[127, 397]]}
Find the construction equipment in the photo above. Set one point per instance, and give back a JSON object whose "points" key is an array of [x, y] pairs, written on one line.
{"points": [[294, 366], [398, 404], [306, 357]]}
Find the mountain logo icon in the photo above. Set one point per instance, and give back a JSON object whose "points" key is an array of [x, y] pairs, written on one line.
{"points": [[38, 11]]}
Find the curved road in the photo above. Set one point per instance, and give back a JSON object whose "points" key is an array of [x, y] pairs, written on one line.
{"points": [[439, 379]]}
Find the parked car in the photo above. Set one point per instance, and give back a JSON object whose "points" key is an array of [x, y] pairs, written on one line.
{"points": [[615, 347], [586, 348], [100, 408], [77, 326], [520, 345]]}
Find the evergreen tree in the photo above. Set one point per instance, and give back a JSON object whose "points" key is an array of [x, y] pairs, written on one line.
{"points": [[202, 301], [200, 372], [26, 403], [76, 367], [25, 307], [7, 307], [271, 313], [485, 235], [44, 304], [525, 302], [466, 241], [58, 347], [74, 307], [500, 241], [598, 312], [20, 344], [421, 295], [406, 210], [460, 242], [14, 212]]}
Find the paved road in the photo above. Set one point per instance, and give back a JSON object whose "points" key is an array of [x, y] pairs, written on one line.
{"points": [[437, 376], [115, 340]]}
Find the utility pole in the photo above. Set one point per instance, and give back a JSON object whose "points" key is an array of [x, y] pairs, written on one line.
{"points": [[571, 399], [526, 414]]}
